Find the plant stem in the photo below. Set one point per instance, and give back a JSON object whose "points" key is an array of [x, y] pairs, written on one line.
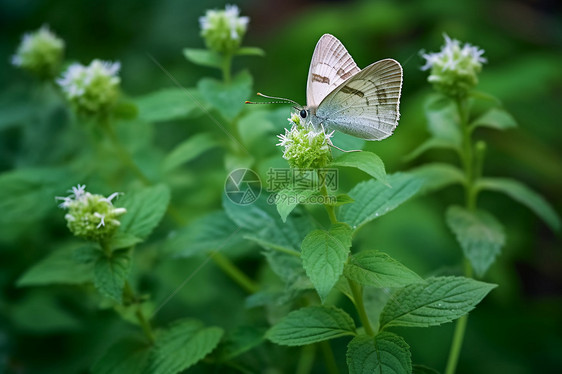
{"points": [[457, 344], [306, 360], [357, 292], [144, 323], [226, 64], [329, 359], [234, 273], [123, 153], [329, 208]]}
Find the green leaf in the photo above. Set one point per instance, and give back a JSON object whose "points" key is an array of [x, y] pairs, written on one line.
{"points": [[203, 57], [240, 340], [214, 231], [128, 355], [438, 300], [169, 104], [123, 240], [373, 199], [287, 200], [368, 162], [495, 118], [386, 353], [183, 345], [227, 98], [377, 269], [443, 119], [60, 267], [87, 253], [250, 51], [28, 194], [324, 254], [431, 143], [110, 274], [126, 110], [311, 325], [437, 176], [480, 235], [342, 199], [145, 208], [524, 195], [422, 369], [188, 150]]}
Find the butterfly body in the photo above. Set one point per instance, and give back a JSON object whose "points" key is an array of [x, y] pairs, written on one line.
{"points": [[340, 96]]}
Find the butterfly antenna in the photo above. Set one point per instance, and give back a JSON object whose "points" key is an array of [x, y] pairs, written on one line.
{"points": [[282, 100]]}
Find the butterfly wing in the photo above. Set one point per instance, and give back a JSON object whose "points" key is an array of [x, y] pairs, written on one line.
{"points": [[367, 104], [331, 65]]}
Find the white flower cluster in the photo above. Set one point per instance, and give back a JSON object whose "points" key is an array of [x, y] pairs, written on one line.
{"points": [[223, 29], [305, 147], [40, 52], [91, 88], [91, 216], [452, 55], [454, 69]]}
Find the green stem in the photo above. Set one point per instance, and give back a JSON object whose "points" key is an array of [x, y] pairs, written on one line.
{"points": [[143, 321], [123, 153], [233, 272], [329, 208], [306, 359], [357, 292], [226, 64], [457, 344], [329, 359]]}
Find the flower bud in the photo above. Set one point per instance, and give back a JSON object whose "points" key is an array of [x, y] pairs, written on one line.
{"points": [[305, 147], [92, 89], [92, 217], [454, 70], [40, 52], [223, 30]]}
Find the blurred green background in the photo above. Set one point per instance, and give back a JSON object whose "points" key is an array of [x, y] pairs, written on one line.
{"points": [[516, 329]]}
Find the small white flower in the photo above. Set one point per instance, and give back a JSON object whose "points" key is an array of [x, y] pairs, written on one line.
{"points": [[40, 51], [91, 88], [223, 29]]}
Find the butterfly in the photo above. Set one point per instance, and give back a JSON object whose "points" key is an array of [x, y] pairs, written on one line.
{"points": [[340, 96]]}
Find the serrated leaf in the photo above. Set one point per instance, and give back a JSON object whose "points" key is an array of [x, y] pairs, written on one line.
{"points": [[437, 176], [227, 98], [495, 118], [431, 143], [123, 240], [438, 300], [60, 267], [524, 195], [145, 208], [287, 200], [169, 104], [311, 325], [182, 346], [377, 269], [28, 194], [188, 150], [443, 118], [203, 57], [373, 199], [214, 231], [324, 254], [480, 235], [129, 355], [87, 253], [110, 274], [368, 162], [386, 353], [250, 51], [241, 340]]}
